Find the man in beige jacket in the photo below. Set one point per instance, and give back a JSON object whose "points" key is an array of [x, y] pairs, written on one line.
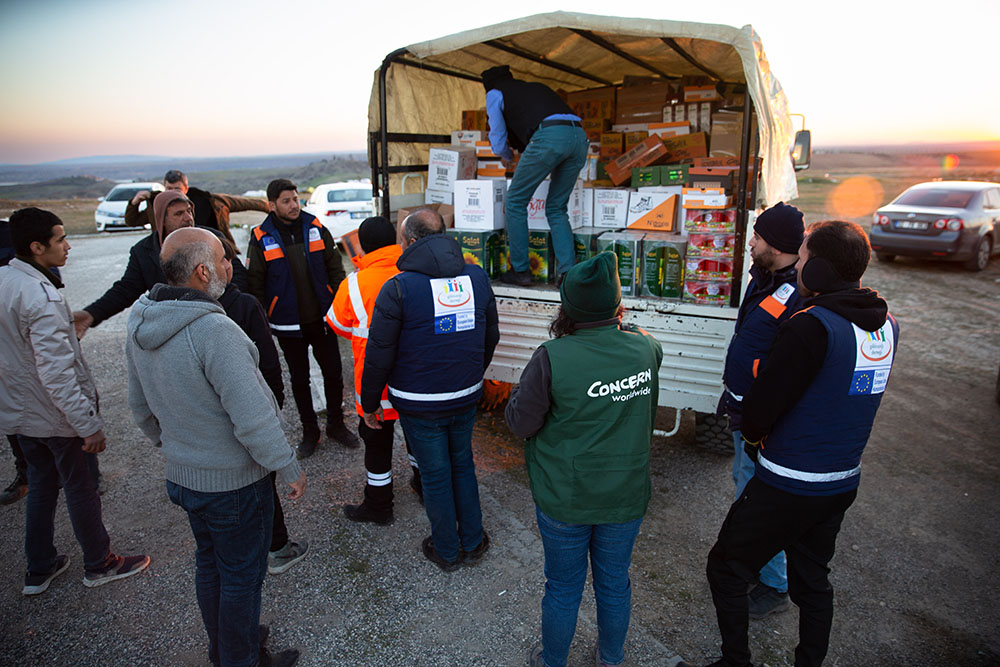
{"points": [[49, 400]]}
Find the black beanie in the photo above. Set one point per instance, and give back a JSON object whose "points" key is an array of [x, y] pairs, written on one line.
{"points": [[494, 74], [781, 227], [375, 233], [591, 290]]}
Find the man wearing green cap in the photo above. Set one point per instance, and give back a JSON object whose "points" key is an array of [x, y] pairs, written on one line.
{"points": [[586, 403]]}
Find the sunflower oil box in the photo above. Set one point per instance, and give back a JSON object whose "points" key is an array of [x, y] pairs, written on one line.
{"points": [[662, 271], [541, 259], [479, 204], [585, 242], [445, 166], [487, 249], [627, 245]]}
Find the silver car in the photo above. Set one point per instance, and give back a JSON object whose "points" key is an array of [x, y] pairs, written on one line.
{"points": [[950, 220]]}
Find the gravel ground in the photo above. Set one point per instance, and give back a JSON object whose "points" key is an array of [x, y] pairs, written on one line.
{"points": [[915, 576]]}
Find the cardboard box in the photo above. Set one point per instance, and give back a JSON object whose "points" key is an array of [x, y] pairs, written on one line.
{"points": [[447, 165], [439, 197], [648, 91], [653, 211], [630, 127], [685, 147], [595, 126], [487, 249], [645, 176], [701, 198], [586, 206], [610, 208], [541, 259], [648, 152], [612, 145], [727, 130], [662, 271], [674, 174], [487, 174], [466, 137], [670, 129], [446, 211], [484, 151], [700, 94], [717, 221], [475, 119], [593, 103], [705, 111], [585, 242], [708, 268], [701, 244], [536, 207], [712, 177], [646, 112], [718, 161], [673, 113], [692, 117], [490, 164], [707, 292], [574, 208], [479, 204], [634, 138], [589, 171], [628, 247]]}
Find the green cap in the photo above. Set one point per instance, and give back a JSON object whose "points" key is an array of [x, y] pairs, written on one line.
{"points": [[591, 290]]}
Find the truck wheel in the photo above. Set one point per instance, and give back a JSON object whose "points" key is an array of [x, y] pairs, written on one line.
{"points": [[981, 255], [712, 432], [885, 257]]}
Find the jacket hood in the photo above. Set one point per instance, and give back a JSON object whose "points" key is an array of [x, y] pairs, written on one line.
{"points": [[860, 305], [387, 255], [437, 256], [160, 204], [158, 316]]}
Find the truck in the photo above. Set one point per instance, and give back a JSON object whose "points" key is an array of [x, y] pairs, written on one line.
{"points": [[420, 91]]}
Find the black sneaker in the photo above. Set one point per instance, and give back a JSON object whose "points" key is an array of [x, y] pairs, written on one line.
{"points": [[307, 447], [17, 489], [285, 658], [35, 584], [418, 488], [336, 431], [718, 663], [121, 567], [362, 513], [765, 600], [473, 557], [432, 555], [519, 278]]}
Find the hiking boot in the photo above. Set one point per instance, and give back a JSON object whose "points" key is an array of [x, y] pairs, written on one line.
{"points": [[285, 658], [718, 663], [120, 568], [363, 513], [535, 657], [35, 584], [417, 487], [17, 490], [307, 447], [287, 556], [765, 600], [432, 555], [473, 557], [519, 278], [336, 431]]}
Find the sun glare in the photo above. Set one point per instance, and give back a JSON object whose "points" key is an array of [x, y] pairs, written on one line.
{"points": [[856, 197]]}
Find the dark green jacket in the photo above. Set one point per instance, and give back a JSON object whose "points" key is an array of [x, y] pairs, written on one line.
{"points": [[589, 461]]}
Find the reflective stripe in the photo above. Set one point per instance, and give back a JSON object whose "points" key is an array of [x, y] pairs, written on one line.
{"points": [[443, 396], [413, 462], [735, 396], [284, 327], [379, 478], [386, 405], [807, 476], [358, 332], [357, 302], [331, 319]]}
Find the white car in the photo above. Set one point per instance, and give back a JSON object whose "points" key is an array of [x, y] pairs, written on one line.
{"points": [[341, 207], [110, 213]]}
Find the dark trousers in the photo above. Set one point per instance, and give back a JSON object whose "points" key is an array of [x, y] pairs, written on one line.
{"points": [[327, 355], [20, 465], [55, 462], [279, 531], [763, 521]]}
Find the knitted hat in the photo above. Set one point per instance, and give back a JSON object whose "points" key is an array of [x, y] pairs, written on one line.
{"points": [[375, 233], [591, 291], [495, 74], [781, 227], [160, 203]]}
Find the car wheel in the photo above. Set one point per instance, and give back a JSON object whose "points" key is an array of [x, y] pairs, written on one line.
{"points": [[885, 257], [981, 257]]}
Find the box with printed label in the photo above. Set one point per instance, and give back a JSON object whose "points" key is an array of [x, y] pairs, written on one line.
{"points": [[704, 198], [652, 211], [484, 151], [466, 137], [708, 268], [612, 145], [662, 265], [712, 177], [610, 207], [650, 151], [536, 206], [693, 118], [447, 165], [685, 147], [700, 94], [479, 204], [585, 242], [595, 126], [707, 292], [628, 247], [439, 197], [541, 259], [589, 171], [586, 207], [575, 205], [593, 103], [475, 119], [701, 244], [674, 174], [710, 221], [487, 249], [634, 138], [671, 129], [645, 177]]}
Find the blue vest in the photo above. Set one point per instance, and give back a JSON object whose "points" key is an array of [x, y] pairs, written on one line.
{"points": [[282, 302], [442, 341], [815, 449]]}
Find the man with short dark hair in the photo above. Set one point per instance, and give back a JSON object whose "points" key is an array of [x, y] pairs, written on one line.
{"points": [[293, 268], [432, 336], [194, 389], [49, 400], [806, 420]]}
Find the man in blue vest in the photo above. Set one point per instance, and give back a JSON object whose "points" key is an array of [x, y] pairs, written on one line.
{"points": [[432, 336], [293, 268], [531, 118], [771, 298], [806, 420]]}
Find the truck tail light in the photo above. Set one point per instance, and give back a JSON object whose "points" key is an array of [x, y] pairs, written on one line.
{"points": [[952, 224]]}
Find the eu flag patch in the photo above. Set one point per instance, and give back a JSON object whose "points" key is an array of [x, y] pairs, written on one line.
{"points": [[444, 324], [862, 383]]}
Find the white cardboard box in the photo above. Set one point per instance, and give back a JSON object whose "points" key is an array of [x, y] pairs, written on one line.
{"points": [[610, 207], [466, 137], [445, 166], [586, 207], [439, 197], [575, 206], [479, 204], [536, 207], [642, 202]]}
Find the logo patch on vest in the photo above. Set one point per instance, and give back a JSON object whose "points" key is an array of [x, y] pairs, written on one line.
{"points": [[624, 389], [873, 360], [269, 243], [313, 234], [454, 304]]}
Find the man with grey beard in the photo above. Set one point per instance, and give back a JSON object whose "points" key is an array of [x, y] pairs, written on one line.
{"points": [[195, 390]]}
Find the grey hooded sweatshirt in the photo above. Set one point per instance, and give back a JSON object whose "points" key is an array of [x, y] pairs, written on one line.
{"points": [[195, 389]]}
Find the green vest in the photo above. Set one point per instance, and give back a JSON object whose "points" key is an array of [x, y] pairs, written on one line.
{"points": [[589, 463]]}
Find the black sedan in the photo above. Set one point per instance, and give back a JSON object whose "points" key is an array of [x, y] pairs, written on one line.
{"points": [[951, 220]]}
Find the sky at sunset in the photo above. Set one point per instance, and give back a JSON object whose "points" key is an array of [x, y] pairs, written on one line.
{"points": [[193, 79]]}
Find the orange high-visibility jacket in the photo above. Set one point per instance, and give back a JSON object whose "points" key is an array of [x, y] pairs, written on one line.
{"points": [[351, 312]]}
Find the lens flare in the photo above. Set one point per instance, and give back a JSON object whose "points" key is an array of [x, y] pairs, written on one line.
{"points": [[949, 162], [856, 197]]}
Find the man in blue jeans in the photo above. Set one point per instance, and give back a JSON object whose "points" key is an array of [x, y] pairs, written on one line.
{"points": [[531, 118], [433, 332]]}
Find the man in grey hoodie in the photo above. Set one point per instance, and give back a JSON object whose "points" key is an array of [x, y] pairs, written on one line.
{"points": [[195, 390]]}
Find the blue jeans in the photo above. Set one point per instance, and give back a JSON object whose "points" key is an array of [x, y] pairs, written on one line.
{"points": [[775, 573], [232, 531], [559, 150], [55, 462], [443, 449], [566, 547]]}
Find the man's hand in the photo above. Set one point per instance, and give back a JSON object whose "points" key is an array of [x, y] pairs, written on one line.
{"points": [[94, 444], [505, 162], [298, 487], [372, 419], [82, 320], [140, 196]]}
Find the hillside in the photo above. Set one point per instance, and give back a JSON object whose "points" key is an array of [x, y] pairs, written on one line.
{"points": [[71, 187]]}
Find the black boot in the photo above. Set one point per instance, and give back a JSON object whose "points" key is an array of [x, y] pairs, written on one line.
{"points": [[310, 438], [17, 489], [336, 431]]}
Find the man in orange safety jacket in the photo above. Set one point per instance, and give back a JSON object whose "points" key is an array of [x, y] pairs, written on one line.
{"points": [[349, 316]]}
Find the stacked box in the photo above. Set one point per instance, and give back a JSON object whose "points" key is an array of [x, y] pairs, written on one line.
{"points": [[642, 103], [487, 249], [707, 292], [643, 177], [670, 129], [610, 208], [466, 137], [447, 165], [612, 145], [662, 265], [439, 197], [702, 198], [541, 259], [708, 268], [651, 209], [674, 174], [628, 247], [685, 147], [586, 207], [650, 151], [595, 103], [634, 138], [710, 221], [475, 119], [701, 244], [585, 242], [479, 204]]}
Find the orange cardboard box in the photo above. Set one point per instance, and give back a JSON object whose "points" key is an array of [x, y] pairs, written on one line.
{"points": [[702, 198], [475, 119], [720, 161], [700, 94], [633, 139], [595, 126], [652, 211], [686, 147], [672, 129], [648, 152], [593, 102], [612, 144], [643, 112]]}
